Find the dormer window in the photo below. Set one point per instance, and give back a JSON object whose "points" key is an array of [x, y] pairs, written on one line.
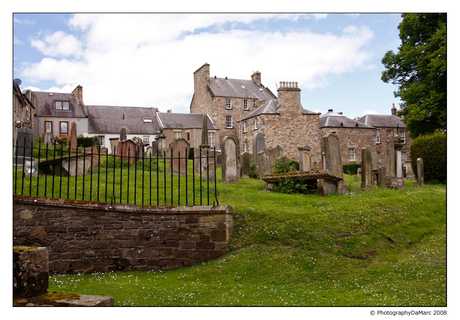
{"points": [[62, 105], [228, 104]]}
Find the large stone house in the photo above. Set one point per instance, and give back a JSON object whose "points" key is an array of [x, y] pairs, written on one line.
{"points": [[384, 126], [243, 108]]}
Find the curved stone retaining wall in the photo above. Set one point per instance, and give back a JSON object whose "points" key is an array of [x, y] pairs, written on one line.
{"points": [[87, 237]]}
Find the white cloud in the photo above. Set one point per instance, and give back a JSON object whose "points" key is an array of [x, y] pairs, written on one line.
{"points": [[58, 44], [149, 60], [369, 112]]}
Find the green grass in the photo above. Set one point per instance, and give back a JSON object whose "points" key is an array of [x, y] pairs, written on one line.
{"points": [[365, 248]]}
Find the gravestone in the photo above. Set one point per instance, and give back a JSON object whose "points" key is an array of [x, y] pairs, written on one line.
{"points": [[366, 169], [390, 158], [230, 171], [204, 132], [245, 160], [264, 163], [382, 178], [275, 153], [126, 150], [122, 134], [24, 145], [258, 145], [420, 173], [178, 150], [154, 146], [113, 144], [149, 152], [47, 138], [73, 137], [409, 172], [304, 158], [333, 160]]}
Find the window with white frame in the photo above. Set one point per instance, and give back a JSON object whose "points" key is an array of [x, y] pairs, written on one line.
{"points": [[256, 123], [351, 154], [228, 104], [254, 103], [245, 145], [146, 140], [177, 134], [101, 141], [228, 122], [63, 128], [245, 126], [212, 138], [403, 158], [402, 136], [377, 136], [389, 132], [49, 126], [62, 105], [245, 104]]}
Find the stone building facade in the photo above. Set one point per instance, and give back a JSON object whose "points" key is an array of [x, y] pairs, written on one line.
{"points": [[226, 100], [243, 108], [284, 122]]}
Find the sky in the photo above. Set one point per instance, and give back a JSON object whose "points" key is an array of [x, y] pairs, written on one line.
{"points": [[148, 59]]}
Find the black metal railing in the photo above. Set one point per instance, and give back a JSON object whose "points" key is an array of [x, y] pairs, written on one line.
{"points": [[50, 171]]}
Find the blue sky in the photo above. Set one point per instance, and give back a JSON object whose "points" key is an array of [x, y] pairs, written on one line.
{"points": [[149, 59]]}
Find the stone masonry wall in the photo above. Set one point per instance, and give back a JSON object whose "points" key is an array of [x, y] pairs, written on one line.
{"points": [[86, 237], [353, 138], [288, 132]]}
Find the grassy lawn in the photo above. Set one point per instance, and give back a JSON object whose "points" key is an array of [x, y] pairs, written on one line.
{"points": [[365, 248]]}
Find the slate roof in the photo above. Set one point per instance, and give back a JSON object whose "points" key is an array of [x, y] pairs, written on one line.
{"points": [[223, 87], [110, 120], [45, 105], [333, 119], [382, 121], [184, 121], [270, 107]]}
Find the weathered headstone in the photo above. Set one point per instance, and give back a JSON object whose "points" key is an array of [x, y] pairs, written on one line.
{"points": [[420, 173], [73, 137], [230, 171], [245, 160], [366, 169], [204, 132], [122, 134], [126, 150], [113, 144], [47, 138], [304, 158], [333, 160], [258, 145], [275, 153], [382, 178], [409, 172], [178, 150], [24, 145], [390, 158], [264, 163]]}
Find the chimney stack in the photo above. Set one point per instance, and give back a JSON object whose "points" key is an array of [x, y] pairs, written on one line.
{"points": [[289, 96], [393, 110], [257, 77]]}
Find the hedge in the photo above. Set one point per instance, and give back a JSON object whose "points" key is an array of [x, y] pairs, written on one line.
{"points": [[351, 168], [433, 150]]}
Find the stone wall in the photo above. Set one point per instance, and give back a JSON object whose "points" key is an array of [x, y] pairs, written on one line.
{"points": [[353, 138], [288, 132], [86, 237], [30, 271]]}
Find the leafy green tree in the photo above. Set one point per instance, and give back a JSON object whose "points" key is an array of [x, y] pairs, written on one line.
{"points": [[419, 69]]}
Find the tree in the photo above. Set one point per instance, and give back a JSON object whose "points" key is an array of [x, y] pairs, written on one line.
{"points": [[420, 71]]}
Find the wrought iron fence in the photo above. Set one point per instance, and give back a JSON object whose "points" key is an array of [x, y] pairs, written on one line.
{"points": [[130, 178]]}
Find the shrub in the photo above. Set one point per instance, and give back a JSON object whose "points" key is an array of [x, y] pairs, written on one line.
{"points": [[351, 168], [433, 150], [86, 142], [253, 172], [283, 165], [301, 186]]}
